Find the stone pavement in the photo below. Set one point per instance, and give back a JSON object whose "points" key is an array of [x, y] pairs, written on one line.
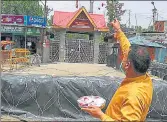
{"points": [[70, 69]]}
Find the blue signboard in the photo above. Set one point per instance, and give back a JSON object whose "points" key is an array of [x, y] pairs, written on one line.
{"points": [[35, 21]]}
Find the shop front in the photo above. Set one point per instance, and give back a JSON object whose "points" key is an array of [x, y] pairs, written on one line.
{"points": [[12, 29], [13, 33], [24, 30], [33, 39], [34, 26]]}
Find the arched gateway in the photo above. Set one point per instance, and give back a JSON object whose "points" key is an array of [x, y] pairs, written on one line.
{"points": [[78, 35]]}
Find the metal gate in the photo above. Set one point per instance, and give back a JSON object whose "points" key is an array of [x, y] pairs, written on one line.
{"points": [[103, 53], [54, 51], [79, 51]]}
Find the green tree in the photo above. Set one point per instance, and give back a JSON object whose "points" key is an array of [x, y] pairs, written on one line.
{"points": [[133, 26], [114, 10], [138, 29], [150, 28], [50, 20], [31, 8], [144, 30]]}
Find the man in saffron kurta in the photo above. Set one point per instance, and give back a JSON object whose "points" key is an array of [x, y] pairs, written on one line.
{"points": [[132, 99]]}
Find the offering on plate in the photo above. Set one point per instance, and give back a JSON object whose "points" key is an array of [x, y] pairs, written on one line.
{"points": [[87, 101]]}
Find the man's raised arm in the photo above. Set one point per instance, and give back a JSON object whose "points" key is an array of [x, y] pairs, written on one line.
{"points": [[120, 36]]}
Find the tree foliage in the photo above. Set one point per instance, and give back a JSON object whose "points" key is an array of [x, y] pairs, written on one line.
{"points": [[50, 20], [138, 29], [150, 28], [31, 8], [114, 9]]}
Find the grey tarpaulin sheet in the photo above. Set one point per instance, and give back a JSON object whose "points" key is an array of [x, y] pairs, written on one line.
{"points": [[43, 97]]}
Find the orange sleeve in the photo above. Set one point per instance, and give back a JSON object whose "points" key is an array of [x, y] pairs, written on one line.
{"points": [[106, 118], [124, 43], [132, 109]]}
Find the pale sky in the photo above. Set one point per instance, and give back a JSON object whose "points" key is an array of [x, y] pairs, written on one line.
{"points": [[142, 10]]}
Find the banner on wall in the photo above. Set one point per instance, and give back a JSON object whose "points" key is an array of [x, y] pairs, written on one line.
{"points": [[33, 31], [11, 29], [12, 19], [35, 21]]}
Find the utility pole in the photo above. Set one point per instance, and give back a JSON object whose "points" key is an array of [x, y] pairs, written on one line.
{"points": [[76, 3], [136, 23], [154, 10], [44, 30], [45, 9], [129, 18], [91, 6]]}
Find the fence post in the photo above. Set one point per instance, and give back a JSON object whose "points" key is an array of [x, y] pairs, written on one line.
{"points": [[62, 47], [46, 50], [96, 46]]}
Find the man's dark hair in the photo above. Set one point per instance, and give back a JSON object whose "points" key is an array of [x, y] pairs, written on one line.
{"points": [[140, 58]]}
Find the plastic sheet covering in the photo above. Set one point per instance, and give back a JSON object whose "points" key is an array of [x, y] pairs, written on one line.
{"points": [[37, 97]]}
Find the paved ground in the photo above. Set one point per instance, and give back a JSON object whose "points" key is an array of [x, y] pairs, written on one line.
{"points": [[70, 69]]}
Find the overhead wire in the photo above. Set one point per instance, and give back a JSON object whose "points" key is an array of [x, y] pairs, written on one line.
{"points": [[135, 16]]}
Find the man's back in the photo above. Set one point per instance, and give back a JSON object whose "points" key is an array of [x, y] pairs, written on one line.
{"points": [[132, 99]]}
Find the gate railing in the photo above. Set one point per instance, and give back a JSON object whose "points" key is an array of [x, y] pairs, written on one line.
{"points": [[103, 53], [79, 51], [54, 51]]}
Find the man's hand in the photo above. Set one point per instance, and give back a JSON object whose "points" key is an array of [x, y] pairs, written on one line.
{"points": [[116, 25], [94, 111]]}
